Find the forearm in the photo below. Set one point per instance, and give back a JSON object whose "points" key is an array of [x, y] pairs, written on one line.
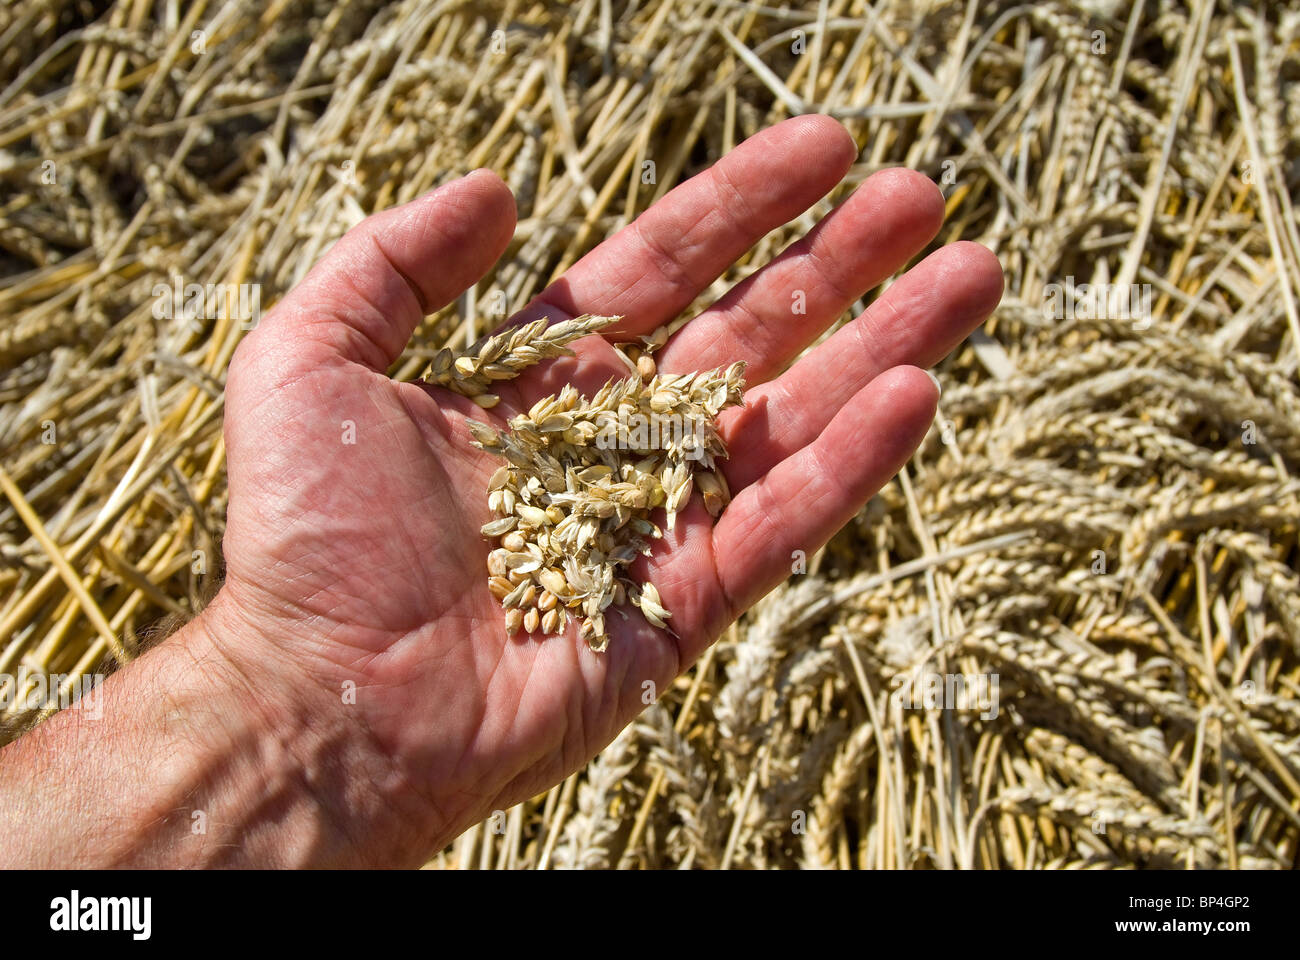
{"points": [[191, 758]]}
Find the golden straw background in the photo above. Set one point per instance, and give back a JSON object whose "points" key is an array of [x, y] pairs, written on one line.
{"points": [[1103, 517]]}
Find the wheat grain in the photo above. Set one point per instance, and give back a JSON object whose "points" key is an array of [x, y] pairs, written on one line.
{"points": [[582, 476]]}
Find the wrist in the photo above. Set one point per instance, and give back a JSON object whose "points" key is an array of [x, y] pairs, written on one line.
{"points": [[298, 779], [217, 742], [207, 751]]}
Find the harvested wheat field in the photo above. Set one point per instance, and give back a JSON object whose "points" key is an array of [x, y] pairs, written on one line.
{"points": [[1067, 635]]}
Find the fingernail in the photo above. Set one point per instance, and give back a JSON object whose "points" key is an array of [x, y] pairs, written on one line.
{"points": [[937, 385]]}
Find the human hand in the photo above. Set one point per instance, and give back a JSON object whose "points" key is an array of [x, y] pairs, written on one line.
{"points": [[361, 563]]}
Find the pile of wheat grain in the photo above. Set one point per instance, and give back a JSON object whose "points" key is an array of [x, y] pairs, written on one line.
{"points": [[1102, 523]]}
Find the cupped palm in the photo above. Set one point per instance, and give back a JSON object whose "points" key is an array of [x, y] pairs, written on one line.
{"points": [[356, 500]]}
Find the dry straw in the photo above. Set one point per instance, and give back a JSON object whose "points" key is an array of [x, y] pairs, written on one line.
{"points": [[1104, 516]]}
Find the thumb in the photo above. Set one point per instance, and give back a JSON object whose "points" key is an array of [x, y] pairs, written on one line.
{"points": [[363, 300]]}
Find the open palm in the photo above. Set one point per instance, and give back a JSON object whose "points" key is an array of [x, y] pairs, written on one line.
{"points": [[353, 540]]}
